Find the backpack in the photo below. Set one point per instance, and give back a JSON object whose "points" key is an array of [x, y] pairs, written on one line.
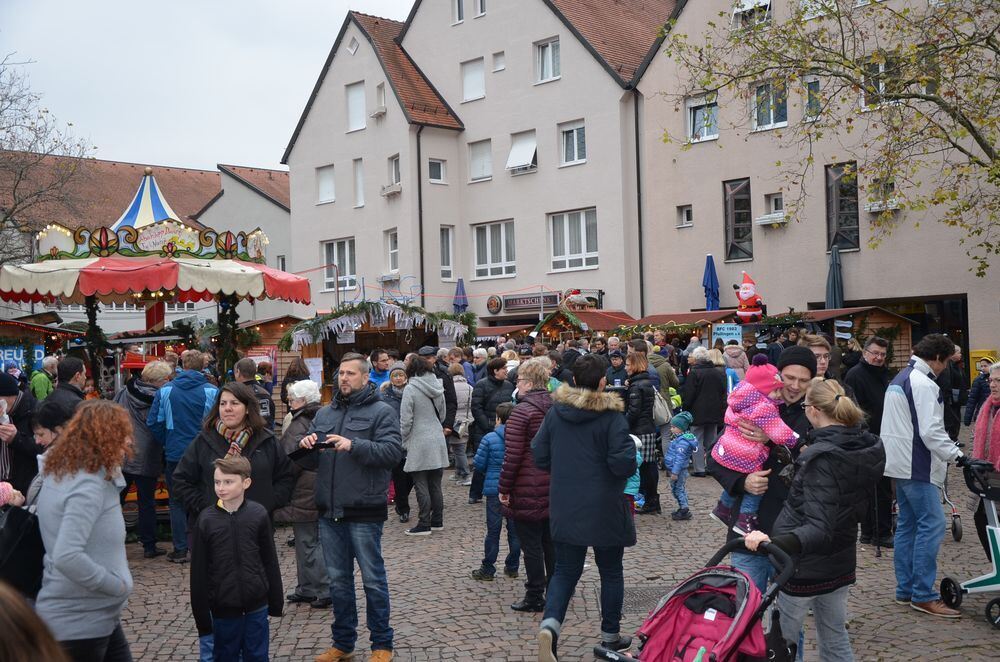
{"points": [[661, 409]]}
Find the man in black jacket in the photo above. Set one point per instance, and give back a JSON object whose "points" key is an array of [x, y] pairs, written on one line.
{"points": [[869, 380], [245, 372], [361, 445], [797, 366], [488, 392], [72, 376]]}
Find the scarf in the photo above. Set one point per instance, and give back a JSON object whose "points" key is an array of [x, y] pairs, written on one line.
{"points": [[237, 438], [986, 445]]}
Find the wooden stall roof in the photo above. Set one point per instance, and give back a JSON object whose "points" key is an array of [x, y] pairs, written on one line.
{"points": [[19, 325], [603, 320], [493, 331], [835, 313], [696, 317]]}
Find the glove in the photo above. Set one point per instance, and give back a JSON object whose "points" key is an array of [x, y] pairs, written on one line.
{"points": [[963, 461]]}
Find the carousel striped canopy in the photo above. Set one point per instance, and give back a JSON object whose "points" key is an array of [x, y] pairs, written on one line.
{"points": [[147, 207]]}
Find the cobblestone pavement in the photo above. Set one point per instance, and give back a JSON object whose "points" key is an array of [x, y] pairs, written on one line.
{"points": [[439, 613]]}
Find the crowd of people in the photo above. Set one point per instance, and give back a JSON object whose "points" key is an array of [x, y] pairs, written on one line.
{"points": [[792, 432]]}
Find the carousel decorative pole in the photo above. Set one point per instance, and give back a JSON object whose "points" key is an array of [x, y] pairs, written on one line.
{"points": [[227, 333]]}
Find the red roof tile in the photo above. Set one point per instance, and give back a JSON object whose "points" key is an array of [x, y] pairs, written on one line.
{"points": [[621, 31], [421, 102], [99, 191], [272, 184]]}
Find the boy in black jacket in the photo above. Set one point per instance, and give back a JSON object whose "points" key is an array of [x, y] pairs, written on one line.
{"points": [[235, 579]]}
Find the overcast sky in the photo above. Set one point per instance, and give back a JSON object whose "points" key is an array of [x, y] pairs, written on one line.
{"points": [[180, 82]]}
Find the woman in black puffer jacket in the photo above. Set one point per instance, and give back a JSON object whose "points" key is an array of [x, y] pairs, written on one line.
{"points": [[819, 523], [639, 400]]}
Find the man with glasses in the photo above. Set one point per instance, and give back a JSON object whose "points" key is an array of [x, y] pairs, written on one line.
{"points": [[869, 380], [820, 347]]}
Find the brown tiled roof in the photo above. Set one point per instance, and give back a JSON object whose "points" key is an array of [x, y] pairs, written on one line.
{"points": [[421, 102], [622, 32], [272, 184], [99, 191]]}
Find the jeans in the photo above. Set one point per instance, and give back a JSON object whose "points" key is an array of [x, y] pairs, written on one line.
{"points": [[679, 488], [343, 544], [430, 501], [919, 531], [310, 568], [491, 544], [706, 435], [749, 505], [206, 648], [649, 477], [830, 619], [757, 568], [112, 648], [457, 448], [478, 482], [248, 635], [145, 489], [403, 484], [569, 567], [539, 556], [178, 518], [877, 522]]}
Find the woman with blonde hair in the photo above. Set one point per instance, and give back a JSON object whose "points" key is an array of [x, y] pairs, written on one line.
{"points": [[818, 525], [86, 581]]}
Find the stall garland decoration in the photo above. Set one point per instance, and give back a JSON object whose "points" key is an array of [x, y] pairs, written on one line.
{"points": [[460, 328], [791, 318], [679, 329]]}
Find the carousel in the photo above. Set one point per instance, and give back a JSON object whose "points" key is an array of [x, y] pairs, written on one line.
{"points": [[150, 258]]}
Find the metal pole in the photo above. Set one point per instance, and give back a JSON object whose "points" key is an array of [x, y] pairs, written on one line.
{"points": [[541, 303]]}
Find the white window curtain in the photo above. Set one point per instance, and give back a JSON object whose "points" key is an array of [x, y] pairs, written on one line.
{"points": [[480, 160], [325, 185], [356, 106], [473, 80]]}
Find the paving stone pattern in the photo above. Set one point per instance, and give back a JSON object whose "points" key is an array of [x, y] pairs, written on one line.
{"points": [[439, 613]]}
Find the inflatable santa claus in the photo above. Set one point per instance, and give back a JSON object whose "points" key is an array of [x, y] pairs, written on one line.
{"points": [[751, 306]]}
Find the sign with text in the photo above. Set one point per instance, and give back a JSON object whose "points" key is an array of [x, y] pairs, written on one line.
{"points": [[15, 353], [315, 366], [727, 332], [530, 301]]}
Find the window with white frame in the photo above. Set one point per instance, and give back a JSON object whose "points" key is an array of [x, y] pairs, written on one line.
{"points": [[340, 272], [685, 216], [881, 77], [494, 250], [499, 61], [750, 13], [447, 237], [326, 191], [356, 117], [115, 307], [280, 263], [774, 203], [574, 143], [359, 183], [395, 176], [738, 219], [813, 101], [457, 11], [437, 171], [770, 106], [181, 307], [480, 7], [842, 216], [473, 80], [523, 157], [481, 160], [352, 47], [702, 118], [574, 240], [547, 60], [392, 250]]}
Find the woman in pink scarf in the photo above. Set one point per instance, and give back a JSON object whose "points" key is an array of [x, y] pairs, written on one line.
{"points": [[986, 443]]}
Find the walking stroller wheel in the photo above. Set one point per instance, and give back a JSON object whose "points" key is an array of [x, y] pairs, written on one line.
{"points": [[993, 612], [956, 528], [951, 592]]}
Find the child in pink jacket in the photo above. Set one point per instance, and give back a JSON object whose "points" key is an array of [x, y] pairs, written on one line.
{"points": [[754, 399]]}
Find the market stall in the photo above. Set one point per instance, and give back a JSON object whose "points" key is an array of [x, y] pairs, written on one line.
{"points": [[567, 323], [26, 343]]}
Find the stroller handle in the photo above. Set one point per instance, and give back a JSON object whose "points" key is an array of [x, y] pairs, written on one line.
{"points": [[779, 559]]}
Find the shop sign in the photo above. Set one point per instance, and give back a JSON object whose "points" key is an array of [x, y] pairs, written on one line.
{"points": [[494, 304], [531, 301], [15, 353], [727, 332], [156, 237]]}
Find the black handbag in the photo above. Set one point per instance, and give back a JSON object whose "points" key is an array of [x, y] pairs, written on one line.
{"points": [[21, 550]]}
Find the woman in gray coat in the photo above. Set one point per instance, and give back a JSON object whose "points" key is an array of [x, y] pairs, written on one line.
{"points": [[86, 580], [420, 416], [313, 581]]}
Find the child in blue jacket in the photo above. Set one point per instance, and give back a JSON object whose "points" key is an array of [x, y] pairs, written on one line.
{"points": [[488, 460], [682, 446]]}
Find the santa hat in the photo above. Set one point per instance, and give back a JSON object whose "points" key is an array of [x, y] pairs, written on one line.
{"points": [[762, 375], [747, 280]]}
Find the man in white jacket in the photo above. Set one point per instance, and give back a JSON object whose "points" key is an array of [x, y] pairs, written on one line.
{"points": [[917, 452]]}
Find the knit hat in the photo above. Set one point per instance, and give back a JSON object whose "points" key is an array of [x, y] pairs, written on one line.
{"points": [[763, 376], [797, 355], [427, 350], [616, 353], [682, 421], [8, 385], [398, 365]]}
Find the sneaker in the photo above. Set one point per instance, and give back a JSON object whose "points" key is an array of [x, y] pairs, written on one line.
{"points": [[681, 515], [622, 644], [153, 552], [548, 642], [178, 557], [334, 654], [902, 601], [321, 603], [295, 598], [474, 500], [510, 573], [746, 523], [936, 608], [526, 604], [466, 482], [722, 514], [419, 530], [481, 575], [380, 655]]}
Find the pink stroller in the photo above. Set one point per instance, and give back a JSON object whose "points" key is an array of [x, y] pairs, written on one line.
{"points": [[714, 616]]}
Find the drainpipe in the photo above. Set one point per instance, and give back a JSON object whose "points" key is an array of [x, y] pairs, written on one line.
{"points": [[420, 218], [638, 204]]}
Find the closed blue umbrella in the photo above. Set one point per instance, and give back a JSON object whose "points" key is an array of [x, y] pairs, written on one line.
{"points": [[710, 281], [461, 301], [835, 281]]}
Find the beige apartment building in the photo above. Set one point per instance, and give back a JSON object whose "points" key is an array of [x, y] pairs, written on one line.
{"points": [[484, 140]]}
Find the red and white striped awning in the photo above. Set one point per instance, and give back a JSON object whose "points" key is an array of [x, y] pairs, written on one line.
{"points": [[121, 279]]}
